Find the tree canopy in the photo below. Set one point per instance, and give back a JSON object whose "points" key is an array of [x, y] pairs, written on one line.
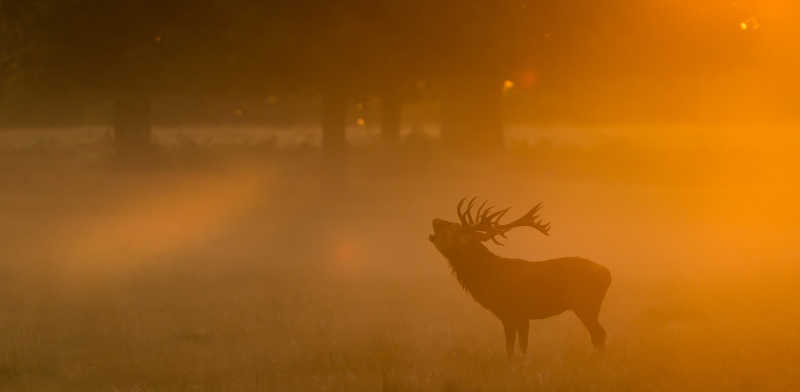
{"points": [[248, 47]]}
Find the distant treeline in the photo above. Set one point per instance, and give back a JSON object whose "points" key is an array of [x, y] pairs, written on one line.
{"points": [[479, 63]]}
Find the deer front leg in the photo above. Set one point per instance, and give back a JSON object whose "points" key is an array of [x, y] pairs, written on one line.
{"points": [[510, 329], [522, 331]]}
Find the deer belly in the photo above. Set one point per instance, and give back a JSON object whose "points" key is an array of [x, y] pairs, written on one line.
{"points": [[530, 307], [544, 313], [543, 309], [537, 306]]}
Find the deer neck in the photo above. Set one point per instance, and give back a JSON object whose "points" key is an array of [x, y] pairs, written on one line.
{"points": [[470, 265]]}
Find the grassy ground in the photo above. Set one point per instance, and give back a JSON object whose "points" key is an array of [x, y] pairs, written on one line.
{"points": [[227, 269]]}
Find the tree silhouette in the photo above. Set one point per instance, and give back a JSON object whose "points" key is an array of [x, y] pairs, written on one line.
{"points": [[552, 52]]}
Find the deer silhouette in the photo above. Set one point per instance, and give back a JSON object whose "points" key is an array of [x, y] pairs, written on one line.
{"points": [[514, 290]]}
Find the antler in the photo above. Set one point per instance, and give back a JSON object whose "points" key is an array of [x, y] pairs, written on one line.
{"points": [[488, 223], [530, 219]]}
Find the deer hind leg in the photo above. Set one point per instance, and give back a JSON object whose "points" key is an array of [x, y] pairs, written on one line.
{"points": [[522, 331], [589, 319], [510, 329]]}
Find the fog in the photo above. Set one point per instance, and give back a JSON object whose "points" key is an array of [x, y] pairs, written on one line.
{"points": [[239, 195], [245, 262]]}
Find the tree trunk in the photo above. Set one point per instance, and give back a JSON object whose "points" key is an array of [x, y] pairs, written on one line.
{"points": [[391, 113], [132, 124], [471, 117], [334, 142], [334, 121]]}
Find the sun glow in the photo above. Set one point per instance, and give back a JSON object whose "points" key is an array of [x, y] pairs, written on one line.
{"points": [[508, 85], [749, 24]]}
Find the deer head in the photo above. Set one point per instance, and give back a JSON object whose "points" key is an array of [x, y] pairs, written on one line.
{"points": [[484, 225]]}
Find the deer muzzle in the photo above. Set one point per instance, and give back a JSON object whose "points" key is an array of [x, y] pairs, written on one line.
{"points": [[438, 224]]}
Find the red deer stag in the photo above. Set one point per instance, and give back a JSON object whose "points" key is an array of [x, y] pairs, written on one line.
{"points": [[515, 290]]}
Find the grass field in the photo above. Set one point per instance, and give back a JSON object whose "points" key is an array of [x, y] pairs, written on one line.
{"points": [[246, 268]]}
